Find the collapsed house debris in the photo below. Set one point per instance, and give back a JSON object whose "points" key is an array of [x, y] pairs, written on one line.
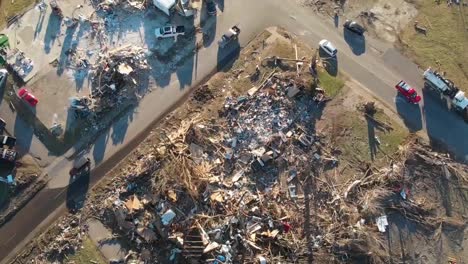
{"points": [[114, 78], [20, 64], [115, 75], [254, 185], [225, 192]]}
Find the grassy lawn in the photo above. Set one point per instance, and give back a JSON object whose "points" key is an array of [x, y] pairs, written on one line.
{"points": [[355, 142], [89, 253], [332, 85], [446, 42], [9, 8]]}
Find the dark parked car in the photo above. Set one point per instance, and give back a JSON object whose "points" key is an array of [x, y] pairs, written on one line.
{"points": [[354, 27], [7, 141], [211, 7]]}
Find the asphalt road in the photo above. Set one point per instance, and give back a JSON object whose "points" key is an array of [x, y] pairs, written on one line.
{"points": [[376, 65]]}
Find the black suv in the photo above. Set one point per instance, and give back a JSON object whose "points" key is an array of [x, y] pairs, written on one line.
{"points": [[354, 27]]}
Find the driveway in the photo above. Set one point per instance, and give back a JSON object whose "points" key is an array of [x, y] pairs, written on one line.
{"points": [[378, 69]]}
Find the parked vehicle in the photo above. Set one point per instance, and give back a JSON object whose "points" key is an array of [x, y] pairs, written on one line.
{"points": [[24, 94], [211, 7], [10, 142], [169, 31], [408, 92], [354, 27], [80, 166], [230, 35], [328, 47], [439, 83], [165, 5]]}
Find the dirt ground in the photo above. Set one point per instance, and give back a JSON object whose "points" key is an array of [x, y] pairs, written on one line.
{"points": [[370, 168], [384, 19]]}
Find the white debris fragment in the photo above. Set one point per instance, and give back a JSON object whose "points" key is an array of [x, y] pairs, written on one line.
{"points": [[167, 217], [382, 223]]}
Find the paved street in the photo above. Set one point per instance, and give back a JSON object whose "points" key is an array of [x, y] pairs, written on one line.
{"points": [[378, 69]]}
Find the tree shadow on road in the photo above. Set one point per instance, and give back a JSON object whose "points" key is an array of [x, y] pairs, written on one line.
{"points": [[99, 148], [208, 25], [78, 187], [39, 24], [52, 32], [120, 127], [336, 21], [23, 131], [66, 47]]}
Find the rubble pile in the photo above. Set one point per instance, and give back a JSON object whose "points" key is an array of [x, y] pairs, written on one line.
{"points": [[20, 64], [227, 203], [256, 185], [109, 5], [115, 76], [66, 241]]}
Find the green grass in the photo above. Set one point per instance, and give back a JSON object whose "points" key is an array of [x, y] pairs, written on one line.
{"points": [[391, 141], [89, 253], [332, 85], [9, 8], [355, 142], [446, 42]]}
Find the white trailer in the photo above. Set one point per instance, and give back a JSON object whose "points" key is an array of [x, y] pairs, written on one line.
{"points": [[165, 5]]}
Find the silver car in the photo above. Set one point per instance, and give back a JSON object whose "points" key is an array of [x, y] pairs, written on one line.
{"points": [[328, 47]]}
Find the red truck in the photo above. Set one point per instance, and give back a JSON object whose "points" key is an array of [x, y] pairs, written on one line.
{"points": [[407, 91]]}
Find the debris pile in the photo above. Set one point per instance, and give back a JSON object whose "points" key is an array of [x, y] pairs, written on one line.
{"points": [[258, 184], [20, 64], [115, 76], [65, 242], [232, 187]]}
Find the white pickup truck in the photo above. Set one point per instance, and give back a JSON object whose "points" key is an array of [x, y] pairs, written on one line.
{"points": [[169, 31]]}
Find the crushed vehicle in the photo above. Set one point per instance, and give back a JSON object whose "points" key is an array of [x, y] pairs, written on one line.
{"points": [[169, 31], [328, 47], [408, 92], [437, 82], [24, 94], [230, 35], [354, 27]]}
